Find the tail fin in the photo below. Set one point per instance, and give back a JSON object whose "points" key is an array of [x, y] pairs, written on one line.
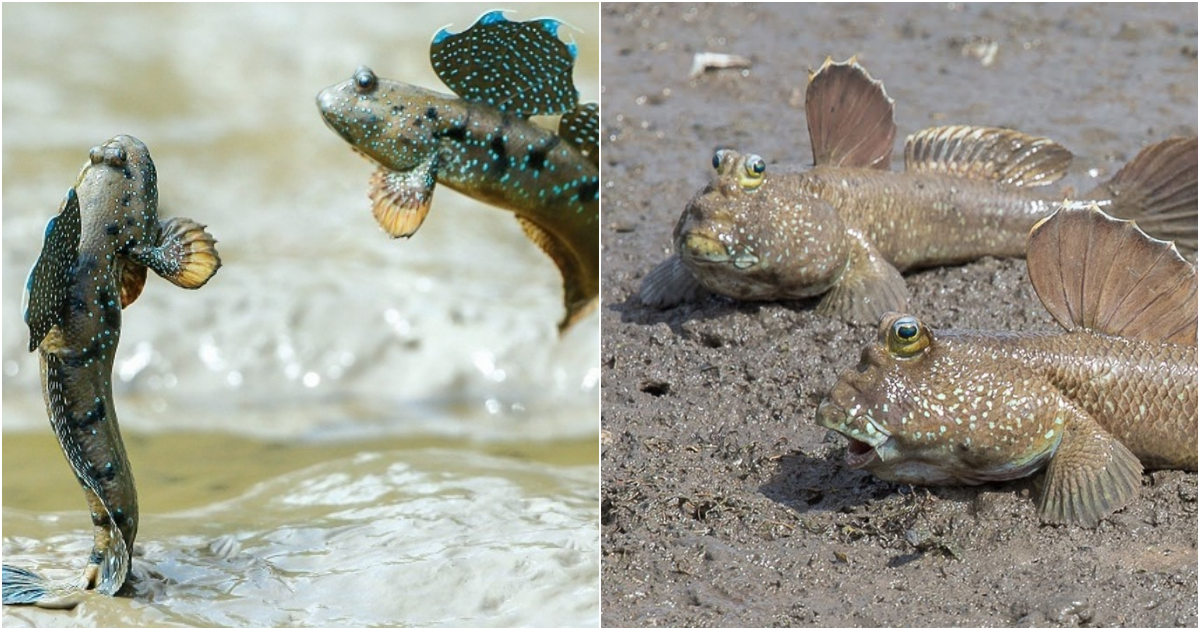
{"points": [[1157, 188], [23, 587]]}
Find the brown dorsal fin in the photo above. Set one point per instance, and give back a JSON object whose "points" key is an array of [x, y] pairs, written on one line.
{"points": [[1104, 274], [991, 153], [850, 117]]}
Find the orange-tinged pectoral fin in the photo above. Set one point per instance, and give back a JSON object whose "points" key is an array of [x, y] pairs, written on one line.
{"points": [[1090, 476], [400, 200], [1104, 274], [850, 117], [185, 254]]}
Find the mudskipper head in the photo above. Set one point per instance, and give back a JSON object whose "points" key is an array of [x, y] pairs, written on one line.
{"points": [[122, 162], [753, 235], [393, 124], [918, 409]]}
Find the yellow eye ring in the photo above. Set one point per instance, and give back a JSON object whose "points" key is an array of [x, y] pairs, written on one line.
{"points": [[907, 338], [751, 176]]}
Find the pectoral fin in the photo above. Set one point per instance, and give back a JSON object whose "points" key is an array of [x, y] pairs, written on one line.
{"points": [[400, 200], [1104, 274], [1090, 476], [869, 287], [669, 284], [184, 253], [1001, 155], [850, 117], [580, 288], [46, 288]]}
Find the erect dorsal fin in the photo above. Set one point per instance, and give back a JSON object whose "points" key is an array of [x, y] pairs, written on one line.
{"points": [[47, 286], [581, 128], [850, 117], [522, 68], [991, 153], [1104, 274]]}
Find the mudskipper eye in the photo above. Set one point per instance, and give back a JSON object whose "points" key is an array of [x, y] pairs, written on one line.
{"points": [[115, 156], [908, 338], [753, 168], [717, 158], [364, 80]]}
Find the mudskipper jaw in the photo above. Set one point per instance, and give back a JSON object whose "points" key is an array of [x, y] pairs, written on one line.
{"points": [[1092, 406], [846, 228], [93, 265], [482, 143]]}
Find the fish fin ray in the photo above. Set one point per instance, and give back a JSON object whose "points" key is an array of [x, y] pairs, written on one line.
{"points": [[133, 280], [989, 153], [581, 129], [183, 253], [49, 279], [400, 200], [869, 287], [24, 587], [670, 284], [851, 120], [522, 68], [579, 290], [1090, 476], [1100, 273], [1157, 188]]}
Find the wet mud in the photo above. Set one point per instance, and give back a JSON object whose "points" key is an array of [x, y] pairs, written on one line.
{"points": [[723, 504]]}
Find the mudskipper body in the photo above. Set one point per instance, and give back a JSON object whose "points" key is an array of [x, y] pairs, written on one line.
{"points": [[845, 228], [482, 143], [1092, 406], [93, 264]]}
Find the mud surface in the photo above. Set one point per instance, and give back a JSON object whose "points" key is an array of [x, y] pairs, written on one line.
{"points": [[723, 503]]}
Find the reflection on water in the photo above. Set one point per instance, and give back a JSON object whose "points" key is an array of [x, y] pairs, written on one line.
{"points": [[319, 331]]}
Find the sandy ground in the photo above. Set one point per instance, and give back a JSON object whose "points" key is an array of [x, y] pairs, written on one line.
{"points": [[723, 503]]}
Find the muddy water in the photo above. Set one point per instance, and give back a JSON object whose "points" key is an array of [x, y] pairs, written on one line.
{"points": [[360, 430]]}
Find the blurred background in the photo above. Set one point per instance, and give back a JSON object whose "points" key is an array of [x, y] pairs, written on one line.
{"points": [[359, 430]]}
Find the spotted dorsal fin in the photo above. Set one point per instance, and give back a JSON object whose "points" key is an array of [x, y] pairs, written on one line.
{"points": [[850, 117], [1104, 274], [990, 153], [522, 68], [581, 129], [49, 280]]}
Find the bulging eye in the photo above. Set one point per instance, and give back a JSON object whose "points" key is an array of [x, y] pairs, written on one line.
{"points": [[115, 156], [908, 338], [753, 168], [364, 80], [720, 153]]}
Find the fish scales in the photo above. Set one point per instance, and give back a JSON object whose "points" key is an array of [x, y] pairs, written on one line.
{"points": [[482, 143], [93, 265], [1094, 405]]}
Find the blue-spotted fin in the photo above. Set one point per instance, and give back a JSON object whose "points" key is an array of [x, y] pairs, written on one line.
{"points": [[482, 143], [846, 228], [93, 264], [1092, 406]]}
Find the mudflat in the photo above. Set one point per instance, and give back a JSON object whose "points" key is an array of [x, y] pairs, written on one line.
{"points": [[723, 503]]}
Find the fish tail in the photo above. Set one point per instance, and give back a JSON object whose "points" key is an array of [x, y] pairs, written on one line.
{"points": [[24, 587], [1157, 189]]}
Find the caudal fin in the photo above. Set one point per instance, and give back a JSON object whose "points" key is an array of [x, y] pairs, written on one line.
{"points": [[1157, 188], [24, 587]]}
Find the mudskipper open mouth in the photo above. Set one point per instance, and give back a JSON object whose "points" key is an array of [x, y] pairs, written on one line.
{"points": [[859, 454]]}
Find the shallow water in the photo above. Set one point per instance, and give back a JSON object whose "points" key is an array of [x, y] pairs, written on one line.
{"points": [[357, 413]]}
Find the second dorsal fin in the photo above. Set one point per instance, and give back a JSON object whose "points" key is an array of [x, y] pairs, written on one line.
{"points": [[991, 153], [1104, 274], [581, 129], [850, 117]]}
